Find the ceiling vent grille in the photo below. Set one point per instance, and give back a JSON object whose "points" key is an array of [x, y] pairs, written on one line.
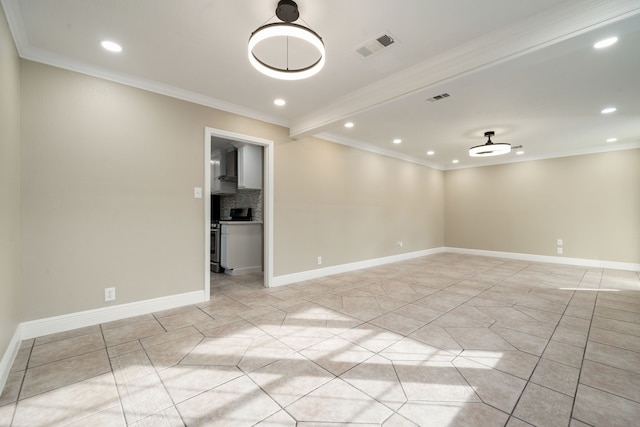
{"points": [[375, 45], [439, 97]]}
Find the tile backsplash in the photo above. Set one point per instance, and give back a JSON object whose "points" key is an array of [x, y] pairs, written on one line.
{"points": [[242, 199]]}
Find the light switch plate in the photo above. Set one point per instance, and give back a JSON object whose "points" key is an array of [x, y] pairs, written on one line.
{"points": [[197, 192]]}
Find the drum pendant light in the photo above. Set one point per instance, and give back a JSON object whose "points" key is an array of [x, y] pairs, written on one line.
{"points": [[287, 12], [489, 148]]}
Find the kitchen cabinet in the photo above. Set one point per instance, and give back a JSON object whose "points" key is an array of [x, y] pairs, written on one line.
{"points": [[249, 167], [241, 247]]}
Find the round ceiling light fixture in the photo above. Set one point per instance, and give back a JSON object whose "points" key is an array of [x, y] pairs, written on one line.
{"points": [[489, 148], [287, 12]]}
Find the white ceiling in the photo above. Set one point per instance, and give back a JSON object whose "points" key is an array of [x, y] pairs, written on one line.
{"points": [[524, 69]]}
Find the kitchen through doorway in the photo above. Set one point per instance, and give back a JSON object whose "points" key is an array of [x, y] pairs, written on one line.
{"points": [[238, 212]]}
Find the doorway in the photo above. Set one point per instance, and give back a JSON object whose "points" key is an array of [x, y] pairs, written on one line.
{"points": [[213, 134]]}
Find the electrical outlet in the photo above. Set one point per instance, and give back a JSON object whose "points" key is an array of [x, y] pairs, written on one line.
{"points": [[559, 242], [559, 251], [109, 294], [399, 244], [319, 260]]}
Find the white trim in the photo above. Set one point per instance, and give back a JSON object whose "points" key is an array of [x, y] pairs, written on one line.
{"points": [[360, 145], [60, 61], [207, 214], [582, 262], [66, 322], [9, 357], [345, 268], [570, 153], [267, 196]]}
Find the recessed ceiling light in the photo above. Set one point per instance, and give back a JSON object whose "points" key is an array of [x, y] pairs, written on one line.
{"points": [[608, 110], [348, 125], [455, 161], [111, 46], [605, 43], [397, 141], [279, 102], [519, 153], [612, 139], [430, 153]]}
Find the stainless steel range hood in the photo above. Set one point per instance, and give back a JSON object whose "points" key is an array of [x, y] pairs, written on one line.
{"points": [[230, 167]]}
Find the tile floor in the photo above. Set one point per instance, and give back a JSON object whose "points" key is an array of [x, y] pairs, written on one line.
{"points": [[445, 340]]}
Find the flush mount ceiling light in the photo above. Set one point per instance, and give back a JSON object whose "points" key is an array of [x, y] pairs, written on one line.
{"points": [[489, 148], [287, 12]]}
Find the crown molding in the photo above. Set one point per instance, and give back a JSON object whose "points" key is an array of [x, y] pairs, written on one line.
{"points": [[25, 51], [353, 143], [360, 145], [570, 153], [41, 56], [560, 23]]}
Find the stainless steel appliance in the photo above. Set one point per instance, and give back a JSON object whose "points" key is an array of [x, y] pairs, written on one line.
{"points": [[241, 214], [215, 247]]}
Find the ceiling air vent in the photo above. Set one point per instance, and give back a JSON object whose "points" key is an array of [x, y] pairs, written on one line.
{"points": [[438, 97], [375, 45]]}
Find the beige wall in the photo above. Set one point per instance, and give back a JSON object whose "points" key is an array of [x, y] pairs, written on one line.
{"points": [[107, 188], [348, 205], [592, 202], [107, 185], [9, 186]]}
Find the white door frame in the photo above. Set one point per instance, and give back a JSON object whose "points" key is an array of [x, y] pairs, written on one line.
{"points": [[267, 201]]}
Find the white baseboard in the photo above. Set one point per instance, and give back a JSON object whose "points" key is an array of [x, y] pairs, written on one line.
{"points": [[581, 262], [66, 322], [9, 356], [345, 268]]}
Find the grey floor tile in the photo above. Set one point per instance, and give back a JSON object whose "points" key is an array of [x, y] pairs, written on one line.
{"points": [[130, 332], [512, 362], [613, 356], [11, 388], [338, 402], [377, 378], [556, 376], [434, 381], [239, 403], [68, 404], [564, 353], [291, 378], [46, 339], [494, 387], [612, 380], [64, 348], [186, 381], [479, 339], [615, 339], [446, 414], [599, 408], [64, 372], [543, 407]]}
